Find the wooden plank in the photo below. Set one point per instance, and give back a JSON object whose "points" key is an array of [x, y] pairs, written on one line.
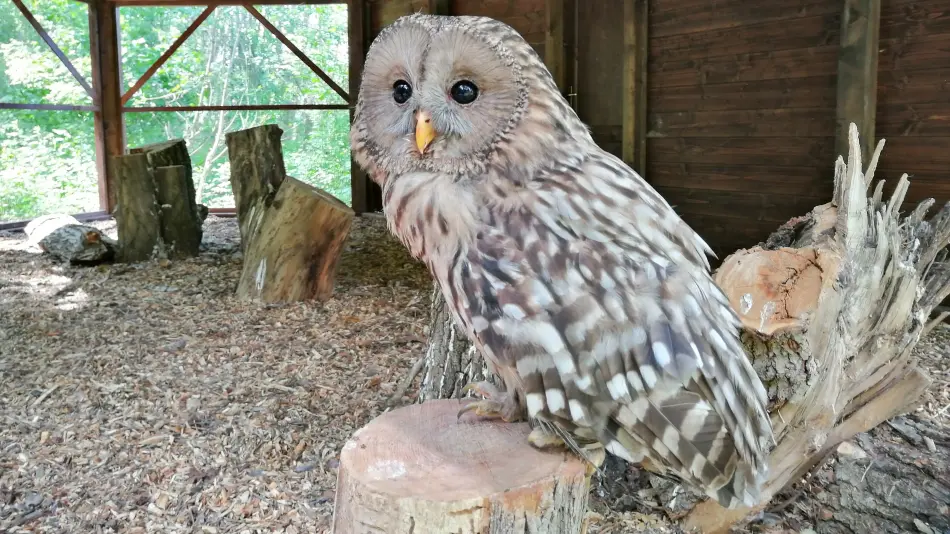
{"points": [[107, 79], [52, 46], [554, 45], [793, 151], [917, 154], [912, 18], [356, 12], [440, 7], [167, 54], [798, 63], [777, 180], [633, 99], [766, 37], [897, 87], [916, 120], [297, 52], [744, 205], [857, 74], [804, 122], [675, 17], [725, 235], [786, 93], [920, 53]]}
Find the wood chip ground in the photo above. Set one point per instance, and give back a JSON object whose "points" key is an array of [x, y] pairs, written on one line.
{"points": [[147, 398]]}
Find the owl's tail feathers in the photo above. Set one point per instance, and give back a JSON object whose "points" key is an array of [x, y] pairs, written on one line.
{"points": [[743, 489]]}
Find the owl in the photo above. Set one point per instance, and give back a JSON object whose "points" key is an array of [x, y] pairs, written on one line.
{"points": [[590, 299]]}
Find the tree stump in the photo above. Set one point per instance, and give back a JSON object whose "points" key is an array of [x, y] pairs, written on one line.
{"points": [[137, 216], [421, 469], [155, 211], [180, 221], [292, 234], [451, 361]]}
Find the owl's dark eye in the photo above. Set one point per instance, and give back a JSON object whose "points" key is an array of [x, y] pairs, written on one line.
{"points": [[464, 92], [401, 91]]}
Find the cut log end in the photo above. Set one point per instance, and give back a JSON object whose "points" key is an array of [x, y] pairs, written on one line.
{"points": [[420, 465]]}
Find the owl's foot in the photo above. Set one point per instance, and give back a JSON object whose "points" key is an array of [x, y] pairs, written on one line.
{"points": [[540, 438], [494, 404]]}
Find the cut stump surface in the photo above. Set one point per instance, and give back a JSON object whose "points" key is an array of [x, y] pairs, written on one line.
{"points": [[421, 469]]}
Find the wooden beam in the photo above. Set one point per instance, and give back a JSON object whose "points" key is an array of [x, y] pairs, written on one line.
{"points": [[106, 75], [167, 54], [634, 101], [297, 52], [52, 46], [857, 74], [249, 107], [140, 3], [554, 49], [47, 107], [357, 12]]}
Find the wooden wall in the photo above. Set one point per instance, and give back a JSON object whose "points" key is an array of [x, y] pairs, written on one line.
{"points": [[742, 99], [913, 98], [742, 112]]}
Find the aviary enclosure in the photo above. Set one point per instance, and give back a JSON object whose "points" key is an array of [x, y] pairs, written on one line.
{"points": [[191, 336]]}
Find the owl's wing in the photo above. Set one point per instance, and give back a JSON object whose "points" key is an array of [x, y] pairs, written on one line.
{"points": [[598, 294]]}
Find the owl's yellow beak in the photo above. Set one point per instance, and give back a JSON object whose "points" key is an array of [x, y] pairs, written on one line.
{"points": [[425, 132]]}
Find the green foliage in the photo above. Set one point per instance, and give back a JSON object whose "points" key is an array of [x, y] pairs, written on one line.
{"points": [[47, 158]]}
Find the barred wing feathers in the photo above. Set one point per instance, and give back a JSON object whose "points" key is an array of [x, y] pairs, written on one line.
{"points": [[591, 288]]}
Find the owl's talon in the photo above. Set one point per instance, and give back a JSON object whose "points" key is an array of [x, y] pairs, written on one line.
{"points": [[496, 404], [542, 439]]}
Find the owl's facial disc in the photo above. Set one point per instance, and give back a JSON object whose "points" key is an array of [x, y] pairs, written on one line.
{"points": [[425, 132]]}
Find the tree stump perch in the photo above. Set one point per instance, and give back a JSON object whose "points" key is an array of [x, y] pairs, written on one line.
{"points": [[156, 213], [421, 469], [292, 234]]}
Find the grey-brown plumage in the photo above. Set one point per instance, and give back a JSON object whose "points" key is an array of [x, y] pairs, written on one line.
{"points": [[587, 294]]}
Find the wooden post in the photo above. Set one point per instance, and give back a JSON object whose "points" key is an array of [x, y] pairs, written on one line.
{"points": [[359, 181], [634, 107], [422, 469], [440, 7], [857, 74], [107, 86], [554, 53]]}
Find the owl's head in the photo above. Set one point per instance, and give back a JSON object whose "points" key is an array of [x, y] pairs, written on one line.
{"points": [[450, 94]]}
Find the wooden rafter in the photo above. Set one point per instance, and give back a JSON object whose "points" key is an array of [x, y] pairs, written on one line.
{"points": [[258, 107], [168, 53], [52, 45], [297, 52], [140, 3], [48, 107]]}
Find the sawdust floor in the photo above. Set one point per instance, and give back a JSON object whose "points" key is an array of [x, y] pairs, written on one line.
{"points": [[147, 398]]}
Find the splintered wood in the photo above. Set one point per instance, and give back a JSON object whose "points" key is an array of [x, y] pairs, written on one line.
{"points": [[156, 212], [422, 469], [292, 233], [832, 307]]}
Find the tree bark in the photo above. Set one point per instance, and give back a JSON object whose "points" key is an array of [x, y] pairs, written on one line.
{"points": [[451, 361], [893, 479], [137, 215], [181, 224], [421, 469], [292, 233], [174, 153]]}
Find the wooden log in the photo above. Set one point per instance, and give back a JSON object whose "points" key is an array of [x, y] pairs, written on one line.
{"points": [[66, 239], [136, 213], [421, 469], [180, 222], [292, 233]]}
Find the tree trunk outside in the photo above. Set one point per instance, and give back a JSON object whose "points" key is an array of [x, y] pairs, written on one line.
{"points": [[451, 361]]}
